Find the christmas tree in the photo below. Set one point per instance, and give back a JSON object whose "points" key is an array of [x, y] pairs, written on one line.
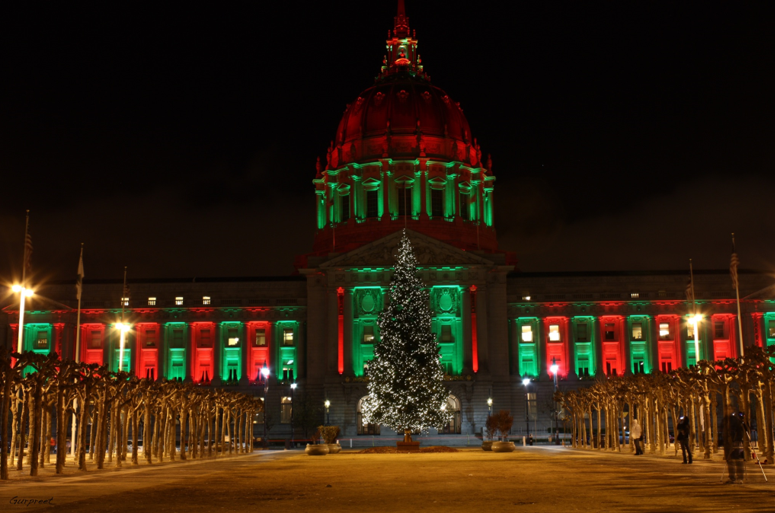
{"points": [[406, 379]]}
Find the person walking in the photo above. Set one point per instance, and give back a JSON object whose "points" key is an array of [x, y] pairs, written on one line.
{"points": [[683, 430], [636, 436], [734, 431]]}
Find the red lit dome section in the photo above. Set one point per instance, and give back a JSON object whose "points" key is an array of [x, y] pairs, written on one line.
{"points": [[404, 156]]}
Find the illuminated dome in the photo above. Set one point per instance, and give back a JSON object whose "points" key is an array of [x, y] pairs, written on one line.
{"points": [[403, 156]]}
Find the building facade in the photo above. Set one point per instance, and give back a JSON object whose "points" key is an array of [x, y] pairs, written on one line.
{"points": [[403, 157]]}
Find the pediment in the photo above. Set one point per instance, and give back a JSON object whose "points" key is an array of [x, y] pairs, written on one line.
{"points": [[429, 251]]}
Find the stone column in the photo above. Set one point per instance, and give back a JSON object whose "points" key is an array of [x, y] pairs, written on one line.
{"points": [[332, 333], [540, 344], [482, 330], [599, 364], [190, 351], [467, 342], [161, 352], [514, 347], [625, 338], [348, 332], [571, 349], [654, 343], [216, 378], [244, 346]]}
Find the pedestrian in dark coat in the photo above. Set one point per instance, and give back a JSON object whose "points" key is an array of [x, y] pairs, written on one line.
{"points": [[683, 429]]}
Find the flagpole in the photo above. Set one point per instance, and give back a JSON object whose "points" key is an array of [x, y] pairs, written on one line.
{"points": [[124, 297], [695, 319], [77, 358], [737, 295], [22, 294]]}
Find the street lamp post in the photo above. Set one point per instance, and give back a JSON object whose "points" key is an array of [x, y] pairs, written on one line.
{"points": [[555, 368], [293, 387], [489, 406], [23, 294], [526, 382], [695, 320], [328, 406], [123, 329], [265, 374]]}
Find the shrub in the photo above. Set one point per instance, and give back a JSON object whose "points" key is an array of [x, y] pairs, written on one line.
{"points": [[503, 422], [329, 434], [492, 426]]}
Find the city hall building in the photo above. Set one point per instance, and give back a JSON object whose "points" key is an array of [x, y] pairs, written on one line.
{"points": [[403, 156]]}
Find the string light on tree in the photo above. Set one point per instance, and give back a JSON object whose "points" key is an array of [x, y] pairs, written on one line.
{"points": [[406, 379]]}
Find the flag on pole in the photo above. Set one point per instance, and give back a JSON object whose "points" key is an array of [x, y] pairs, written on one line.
{"points": [[690, 290], [733, 263], [79, 279], [28, 253]]}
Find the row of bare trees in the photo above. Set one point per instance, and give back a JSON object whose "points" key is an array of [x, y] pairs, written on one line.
{"points": [[113, 414], [659, 399]]}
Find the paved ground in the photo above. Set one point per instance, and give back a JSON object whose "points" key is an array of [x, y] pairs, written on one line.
{"points": [[533, 479]]}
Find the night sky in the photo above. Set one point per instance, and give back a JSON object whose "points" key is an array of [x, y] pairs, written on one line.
{"points": [[181, 140]]}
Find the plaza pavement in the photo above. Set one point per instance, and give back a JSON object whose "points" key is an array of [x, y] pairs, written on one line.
{"points": [[534, 479]]}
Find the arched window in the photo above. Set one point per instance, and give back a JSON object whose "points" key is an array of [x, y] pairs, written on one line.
{"points": [[286, 410], [365, 429], [453, 428]]}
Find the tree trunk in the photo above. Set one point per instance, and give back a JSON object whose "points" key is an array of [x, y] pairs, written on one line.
{"points": [[84, 425], [35, 425], [183, 420], [14, 423], [24, 415], [6, 405], [147, 433], [135, 435], [768, 418]]}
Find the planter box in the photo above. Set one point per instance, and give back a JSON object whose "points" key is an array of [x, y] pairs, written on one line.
{"points": [[487, 446], [503, 446], [334, 448], [316, 450], [408, 446]]}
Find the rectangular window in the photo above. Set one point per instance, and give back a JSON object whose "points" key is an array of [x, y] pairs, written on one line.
{"points": [[368, 334], [288, 337], [637, 331], [233, 337], [95, 340], [124, 301], [437, 203], [372, 203], [465, 208], [260, 337], [344, 208], [204, 338], [608, 331], [446, 333], [527, 333], [718, 329], [178, 301], [150, 338], [42, 342], [404, 201], [771, 329], [582, 332], [151, 301], [634, 295], [664, 330], [690, 331], [554, 332], [667, 366], [177, 338], [205, 300]]}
